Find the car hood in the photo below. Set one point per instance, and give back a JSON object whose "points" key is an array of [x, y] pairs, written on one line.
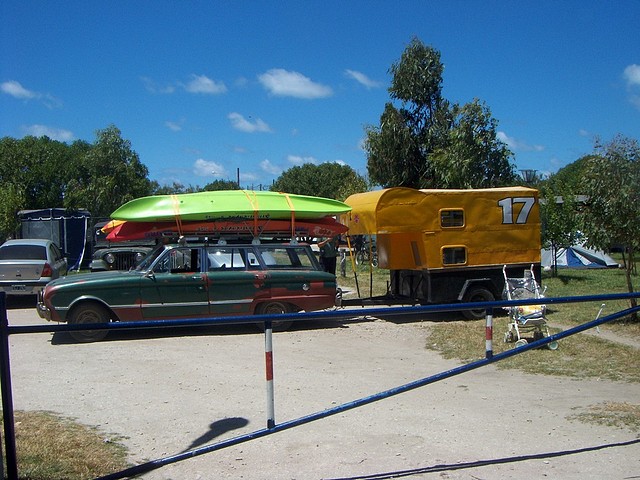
{"points": [[95, 277]]}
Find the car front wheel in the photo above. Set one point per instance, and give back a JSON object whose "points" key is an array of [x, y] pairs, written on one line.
{"points": [[86, 314]]}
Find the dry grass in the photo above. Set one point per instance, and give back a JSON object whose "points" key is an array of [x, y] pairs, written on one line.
{"points": [[611, 414], [54, 448]]}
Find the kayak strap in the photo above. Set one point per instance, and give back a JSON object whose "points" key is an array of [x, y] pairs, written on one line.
{"points": [[254, 205], [176, 212], [293, 215]]}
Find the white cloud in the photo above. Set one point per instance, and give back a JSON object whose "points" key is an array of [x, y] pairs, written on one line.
{"points": [[207, 168], [240, 123], [283, 83], [152, 87], [632, 75], [269, 167], [198, 84], [298, 160], [518, 145], [16, 90], [203, 84], [362, 79], [51, 132], [173, 126]]}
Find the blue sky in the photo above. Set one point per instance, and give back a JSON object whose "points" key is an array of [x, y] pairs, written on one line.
{"points": [[203, 88]]}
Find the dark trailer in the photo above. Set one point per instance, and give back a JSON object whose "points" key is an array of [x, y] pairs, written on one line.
{"points": [[67, 228]]}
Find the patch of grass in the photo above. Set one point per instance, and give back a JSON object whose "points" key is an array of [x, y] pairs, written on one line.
{"points": [[611, 414], [50, 447], [578, 356], [570, 283]]}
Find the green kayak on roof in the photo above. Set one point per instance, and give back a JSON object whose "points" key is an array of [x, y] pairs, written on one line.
{"points": [[228, 204]]}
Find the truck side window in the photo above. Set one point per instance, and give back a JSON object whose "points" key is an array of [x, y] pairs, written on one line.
{"points": [[454, 255], [451, 218]]}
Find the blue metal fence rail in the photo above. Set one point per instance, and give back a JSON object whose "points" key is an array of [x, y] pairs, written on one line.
{"points": [[5, 375]]}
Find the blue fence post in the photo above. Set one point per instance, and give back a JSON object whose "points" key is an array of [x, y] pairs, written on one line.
{"points": [[7, 396]]}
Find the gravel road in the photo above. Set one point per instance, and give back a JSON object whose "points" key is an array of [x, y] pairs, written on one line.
{"points": [[162, 396]]}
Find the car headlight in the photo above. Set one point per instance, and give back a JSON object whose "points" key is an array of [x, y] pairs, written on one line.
{"points": [[110, 258]]}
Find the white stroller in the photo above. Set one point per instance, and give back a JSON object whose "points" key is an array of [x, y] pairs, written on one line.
{"points": [[525, 319]]}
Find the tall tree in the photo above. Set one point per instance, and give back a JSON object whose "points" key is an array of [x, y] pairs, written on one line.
{"points": [[12, 202], [427, 142], [612, 210], [109, 175], [472, 156], [398, 150], [329, 180]]}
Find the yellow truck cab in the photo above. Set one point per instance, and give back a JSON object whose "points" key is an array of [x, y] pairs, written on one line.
{"points": [[445, 246]]}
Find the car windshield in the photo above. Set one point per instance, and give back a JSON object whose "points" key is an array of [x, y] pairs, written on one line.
{"points": [[145, 264], [23, 252]]}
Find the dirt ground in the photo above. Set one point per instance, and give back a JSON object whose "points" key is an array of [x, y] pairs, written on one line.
{"points": [[162, 396]]}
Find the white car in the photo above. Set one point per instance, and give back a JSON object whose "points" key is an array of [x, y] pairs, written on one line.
{"points": [[27, 265]]}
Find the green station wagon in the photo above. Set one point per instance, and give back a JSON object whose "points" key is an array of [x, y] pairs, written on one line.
{"points": [[190, 281]]}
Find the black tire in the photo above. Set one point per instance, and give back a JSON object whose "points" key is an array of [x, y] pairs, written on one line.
{"points": [[89, 313], [473, 295], [275, 308]]}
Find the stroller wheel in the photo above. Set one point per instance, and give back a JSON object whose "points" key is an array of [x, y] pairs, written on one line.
{"points": [[521, 343], [552, 345]]}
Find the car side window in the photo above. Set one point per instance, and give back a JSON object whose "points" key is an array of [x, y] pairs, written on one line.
{"points": [[179, 260], [228, 258], [285, 258]]}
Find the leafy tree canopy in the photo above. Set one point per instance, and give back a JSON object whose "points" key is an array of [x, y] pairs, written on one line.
{"points": [[612, 185], [428, 143], [222, 185], [328, 180], [174, 188], [110, 174], [572, 175], [38, 172]]}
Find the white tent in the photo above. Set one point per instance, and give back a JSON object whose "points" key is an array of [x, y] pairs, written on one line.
{"points": [[578, 256]]}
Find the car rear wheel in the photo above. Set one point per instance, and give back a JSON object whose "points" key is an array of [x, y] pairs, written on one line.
{"points": [[85, 314], [275, 308]]}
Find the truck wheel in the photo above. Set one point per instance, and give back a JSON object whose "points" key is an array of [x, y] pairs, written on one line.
{"points": [[473, 295], [274, 308], [89, 313]]}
